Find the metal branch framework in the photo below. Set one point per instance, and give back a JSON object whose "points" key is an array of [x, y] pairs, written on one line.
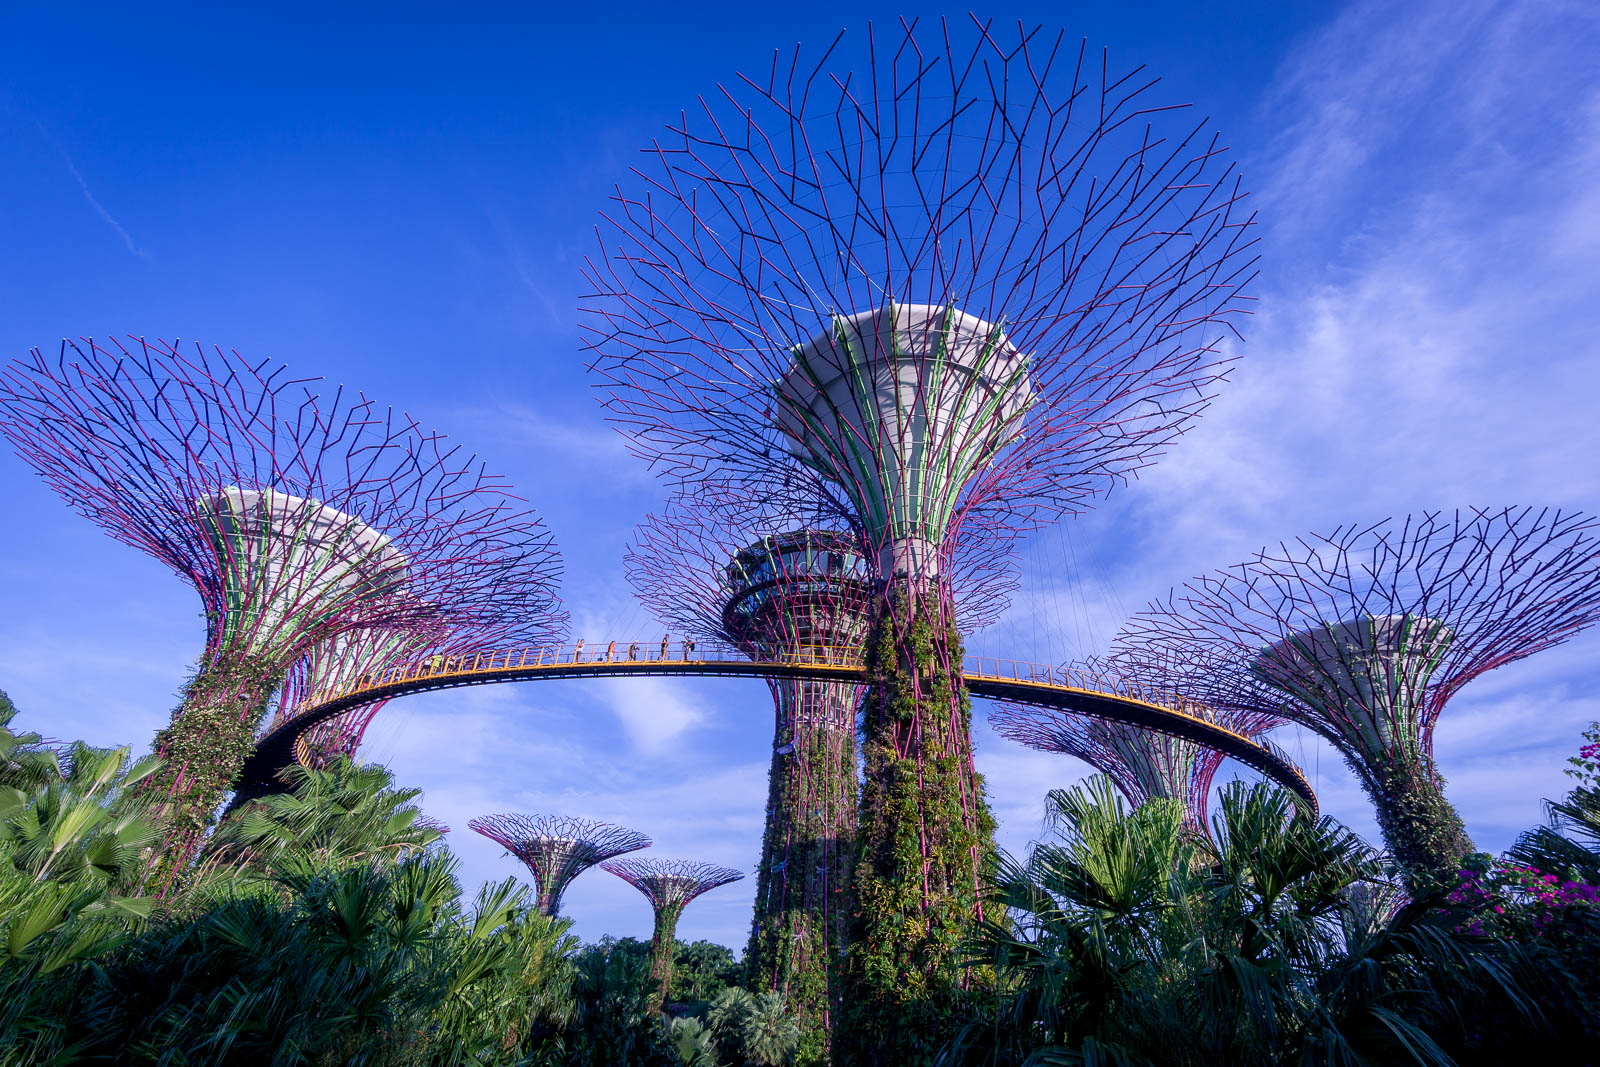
{"points": [[557, 848], [959, 280], [351, 658], [1364, 634], [428, 822], [336, 663], [669, 886], [297, 516], [954, 273], [1143, 764]]}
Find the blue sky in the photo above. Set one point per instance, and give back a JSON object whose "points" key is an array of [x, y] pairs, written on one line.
{"points": [[400, 201]]}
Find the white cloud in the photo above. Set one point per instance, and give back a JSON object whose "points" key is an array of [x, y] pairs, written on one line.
{"points": [[654, 711], [1427, 339]]}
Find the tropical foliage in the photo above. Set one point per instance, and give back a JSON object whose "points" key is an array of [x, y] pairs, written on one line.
{"points": [[1285, 941], [328, 925]]}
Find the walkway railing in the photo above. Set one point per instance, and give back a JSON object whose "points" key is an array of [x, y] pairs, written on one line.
{"points": [[1049, 685]]}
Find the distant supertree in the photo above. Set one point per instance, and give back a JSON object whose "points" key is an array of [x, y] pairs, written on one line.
{"points": [[669, 885], [557, 848], [1364, 634], [428, 822], [959, 280], [296, 516], [777, 590], [1143, 764]]}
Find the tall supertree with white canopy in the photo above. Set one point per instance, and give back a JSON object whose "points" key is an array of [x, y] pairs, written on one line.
{"points": [[786, 588], [1365, 633], [557, 848], [965, 278], [297, 516]]}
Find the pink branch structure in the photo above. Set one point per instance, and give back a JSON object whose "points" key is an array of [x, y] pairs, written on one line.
{"points": [[428, 822], [1143, 764], [557, 848], [1364, 634], [952, 274], [297, 516], [960, 280], [669, 886], [332, 665], [712, 570]]}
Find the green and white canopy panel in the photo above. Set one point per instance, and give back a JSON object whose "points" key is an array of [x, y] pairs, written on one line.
{"points": [[292, 566], [1368, 677], [902, 407]]}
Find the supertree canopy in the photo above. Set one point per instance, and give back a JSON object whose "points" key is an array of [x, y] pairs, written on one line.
{"points": [[1364, 634], [961, 278], [557, 848], [706, 568], [1143, 764], [669, 885], [297, 517]]}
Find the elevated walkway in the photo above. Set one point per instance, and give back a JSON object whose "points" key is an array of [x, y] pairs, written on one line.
{"points": [[1018, 681]]}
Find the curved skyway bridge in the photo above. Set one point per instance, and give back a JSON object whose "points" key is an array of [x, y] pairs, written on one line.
{"points": [[1042, 685]]}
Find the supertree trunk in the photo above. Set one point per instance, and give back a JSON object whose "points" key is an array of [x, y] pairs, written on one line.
{"points": [[664, 949], [802, 908], [1424, 832], [925, 832], [207, 742]]}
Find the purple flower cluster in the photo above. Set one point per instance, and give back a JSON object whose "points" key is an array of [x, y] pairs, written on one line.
{"points": [[1585, 766], [1508, 898]]}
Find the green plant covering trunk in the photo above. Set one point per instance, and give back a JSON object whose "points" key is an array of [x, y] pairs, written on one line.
{"points": [[924, 835], [203, 749], [663, 947], [802, 910], [1423, 830]]}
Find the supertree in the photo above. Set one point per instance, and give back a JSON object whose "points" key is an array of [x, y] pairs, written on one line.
{"points": [[557, 848], [296, 516], [669, 885], [959, 279], [778, 588], [1364, 634], [1144, 764], [428, 822]]}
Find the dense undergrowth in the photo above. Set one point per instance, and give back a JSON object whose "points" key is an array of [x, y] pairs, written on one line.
{"points": [[327, 925]]}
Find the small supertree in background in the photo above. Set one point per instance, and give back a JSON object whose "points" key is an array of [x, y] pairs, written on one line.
{"points": [[669, 885], [1143, 764], [428, 822], [709, 568], [1364, 634], [557, 848], [959, 279], [296, 516]]}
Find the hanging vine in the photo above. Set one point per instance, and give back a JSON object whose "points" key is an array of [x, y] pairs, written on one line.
{"points": [[803, 881], [924, 833]]}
